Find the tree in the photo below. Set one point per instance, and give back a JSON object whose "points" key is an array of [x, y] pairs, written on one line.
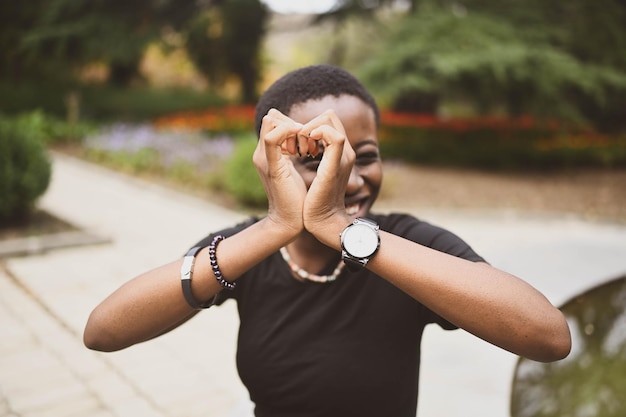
{"points": [[58, 36], [443, 53], [340, 15], [559, 59], [592, 32], [226, 39], [52, 39], [14, 18]]}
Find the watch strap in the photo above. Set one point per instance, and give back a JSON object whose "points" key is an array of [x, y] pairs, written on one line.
{"points": [[186, 273], [353, 264], [368, 221]]}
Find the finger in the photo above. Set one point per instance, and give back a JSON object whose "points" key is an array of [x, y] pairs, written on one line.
{"points": [[278, 130], [329, 118], [330, 142], [267, 125], [279, 141], [284, 132], [302, 143], [314, 147]]}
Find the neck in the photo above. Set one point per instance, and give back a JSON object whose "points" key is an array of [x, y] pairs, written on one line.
{"points": [[310, 254]]}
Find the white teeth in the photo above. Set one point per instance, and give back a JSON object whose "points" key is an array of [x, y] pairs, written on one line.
{"points": [[352, 210]]}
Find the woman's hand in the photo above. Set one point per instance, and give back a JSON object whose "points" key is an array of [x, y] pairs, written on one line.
{"points": [[284, 187], [325, 201]]}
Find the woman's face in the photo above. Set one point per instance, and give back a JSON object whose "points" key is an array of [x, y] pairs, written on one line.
{"points": [[360, 124]]}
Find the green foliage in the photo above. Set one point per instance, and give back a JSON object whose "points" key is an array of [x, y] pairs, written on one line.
{"points": [[140, 103], [22, 97], [232, 31], [591, 30], [141, 161], [54, 37], [52, 130], [242, 179], [187, 175], [202, 45], [102, 103], [487, 61], [24, 166], [501, 145]]}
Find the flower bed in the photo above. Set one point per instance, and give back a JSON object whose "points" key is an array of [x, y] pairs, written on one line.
{"points": [[490, 142], [486, 142], [219, 119], [189, 158]]}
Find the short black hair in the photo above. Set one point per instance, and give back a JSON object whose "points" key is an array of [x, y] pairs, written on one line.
{"points": [[311, 83]]}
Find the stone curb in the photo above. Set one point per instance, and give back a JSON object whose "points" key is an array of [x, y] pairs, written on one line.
{"points": [[34, 245]]}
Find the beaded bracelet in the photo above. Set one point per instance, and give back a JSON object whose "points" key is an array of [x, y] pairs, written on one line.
{"points": [[216, 268]]}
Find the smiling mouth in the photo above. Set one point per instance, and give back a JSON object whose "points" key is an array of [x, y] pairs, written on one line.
{"points": [[353, 209]]}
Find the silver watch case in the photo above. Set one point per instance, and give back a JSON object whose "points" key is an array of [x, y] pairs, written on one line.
{"points": [[360, 241]]}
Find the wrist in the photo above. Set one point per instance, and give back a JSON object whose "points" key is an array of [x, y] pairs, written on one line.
{"points": [[280, 231], [328, 231]]}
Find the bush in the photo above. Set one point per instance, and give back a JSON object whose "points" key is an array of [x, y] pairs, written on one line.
{"points": [[25, 169], [102, 103], [497, 143], [242, 180], [52, 130]]}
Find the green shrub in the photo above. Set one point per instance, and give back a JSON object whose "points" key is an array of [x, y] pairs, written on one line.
{"points": [[50, 129], [242, 180], [499, 144], [25, 169], [484, 148], [105, 103], [102, 102], [60, 132], [144, 160]]}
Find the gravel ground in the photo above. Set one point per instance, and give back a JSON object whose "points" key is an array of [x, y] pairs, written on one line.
{"points": [[597, 195]]}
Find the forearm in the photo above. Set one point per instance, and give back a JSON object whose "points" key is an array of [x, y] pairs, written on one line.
{"points": [[139, 310], [153, 303], [483, 300]]}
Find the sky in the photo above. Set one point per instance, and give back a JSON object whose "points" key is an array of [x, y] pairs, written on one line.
{"points": [[299, 6]]}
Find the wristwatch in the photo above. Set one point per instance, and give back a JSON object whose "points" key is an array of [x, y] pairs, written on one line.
{"points": [[359, 242]]}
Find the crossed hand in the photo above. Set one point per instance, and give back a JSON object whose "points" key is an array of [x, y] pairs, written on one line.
{"points": [[282, 139]]}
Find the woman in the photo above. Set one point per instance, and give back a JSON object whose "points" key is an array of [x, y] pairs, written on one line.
{"points": [[332, 298]]}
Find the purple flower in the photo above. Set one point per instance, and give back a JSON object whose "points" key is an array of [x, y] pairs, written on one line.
{"points": [[172, 147]]}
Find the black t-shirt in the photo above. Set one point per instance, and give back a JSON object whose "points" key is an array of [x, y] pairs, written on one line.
{"points": [[346, 348]]}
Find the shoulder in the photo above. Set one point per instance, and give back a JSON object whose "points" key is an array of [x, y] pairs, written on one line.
{"points": [[409, 226], [426, 234], [204, 242]]}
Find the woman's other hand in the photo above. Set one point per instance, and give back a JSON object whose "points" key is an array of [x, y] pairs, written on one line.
{"points": [[284, 187], [325, 200]]}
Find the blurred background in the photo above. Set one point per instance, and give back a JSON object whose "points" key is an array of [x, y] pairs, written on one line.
{"points": [[507, 85], [444, 58], [486, 104]]}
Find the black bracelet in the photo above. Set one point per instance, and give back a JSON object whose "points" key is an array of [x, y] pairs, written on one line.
{"points": [[216, 268], [186, 273]]}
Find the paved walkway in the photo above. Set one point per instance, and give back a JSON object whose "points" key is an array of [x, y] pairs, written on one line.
{"points": [[46, 299]]}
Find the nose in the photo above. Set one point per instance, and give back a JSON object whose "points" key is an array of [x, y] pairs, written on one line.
{"points": [[355, 182]]}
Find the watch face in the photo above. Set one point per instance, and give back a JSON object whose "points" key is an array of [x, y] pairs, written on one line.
{"points": [[360, 241]]}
